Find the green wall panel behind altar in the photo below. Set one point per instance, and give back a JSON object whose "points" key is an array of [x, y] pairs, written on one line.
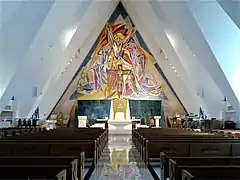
{"points": [[93, 109], [145, 109]]}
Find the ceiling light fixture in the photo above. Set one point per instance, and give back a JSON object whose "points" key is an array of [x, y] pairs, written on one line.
{"points": [[70, 60], [173, 67], [69, 63], [175, 70], [194, 55]]}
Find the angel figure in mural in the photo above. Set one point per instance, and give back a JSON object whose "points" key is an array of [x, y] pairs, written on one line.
{"points": [[83, 83], [137, 58], [130, 85], [104, 54], [118, 40]]}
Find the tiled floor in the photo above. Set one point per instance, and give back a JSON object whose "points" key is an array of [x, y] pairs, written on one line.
{"points": [[120, 161]]}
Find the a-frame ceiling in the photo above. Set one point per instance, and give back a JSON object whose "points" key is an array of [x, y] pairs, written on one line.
{"points": [[49, 34]]}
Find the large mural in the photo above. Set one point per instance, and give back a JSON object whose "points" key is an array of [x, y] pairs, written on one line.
{"points": [[119, 66]]}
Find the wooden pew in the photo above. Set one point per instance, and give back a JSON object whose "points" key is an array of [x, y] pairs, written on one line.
{"points": [[162, 134], [76, 169], [210, 173], [58, 144], [101, 136], [9, 132], [182, 143], [195, 147], [40, 172], [176, 165], [54, 143], [212, 160]]}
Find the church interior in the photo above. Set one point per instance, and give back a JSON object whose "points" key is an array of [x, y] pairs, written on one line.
{"points": [[120, 89]]}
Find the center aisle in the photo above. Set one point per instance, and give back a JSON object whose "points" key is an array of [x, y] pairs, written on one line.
{"points": [[121, 161]]}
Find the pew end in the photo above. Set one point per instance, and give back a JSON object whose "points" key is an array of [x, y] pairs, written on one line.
{"points": [[62, 175], [172, 169], [186, 175], [162, 164]]}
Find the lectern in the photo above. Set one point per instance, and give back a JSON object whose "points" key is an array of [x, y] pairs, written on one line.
{"points": [[82, 121]]}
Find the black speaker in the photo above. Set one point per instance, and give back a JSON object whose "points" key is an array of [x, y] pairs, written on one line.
{"points": [[19, 123], [229, 125]]}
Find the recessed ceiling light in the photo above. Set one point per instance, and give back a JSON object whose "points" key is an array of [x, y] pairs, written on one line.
{"points": [[71, 60], [170, 64], [178, 75], [69, 63], [194, 55], [173, 67], [165, 57], [64, 70], [74, 56], [175, 70]]}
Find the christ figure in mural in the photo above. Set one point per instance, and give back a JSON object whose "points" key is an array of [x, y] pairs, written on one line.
{"points": [[119, 73], [118, 40]]}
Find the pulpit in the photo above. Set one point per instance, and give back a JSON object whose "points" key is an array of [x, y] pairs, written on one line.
{"points": [[157, 120], [82, 121]]}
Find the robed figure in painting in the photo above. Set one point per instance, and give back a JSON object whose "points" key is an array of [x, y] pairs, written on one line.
{"points": [[118, 67]]}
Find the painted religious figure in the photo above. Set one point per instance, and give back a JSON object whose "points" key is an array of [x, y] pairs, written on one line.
{"points": [[119, 67]]}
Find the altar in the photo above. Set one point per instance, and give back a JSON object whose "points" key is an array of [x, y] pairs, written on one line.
{"points": [[120, 118], [119, 121]]}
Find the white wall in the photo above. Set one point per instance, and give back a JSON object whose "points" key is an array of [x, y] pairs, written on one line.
{"points": [[152, 32], [232, 8], [20, 24], [181, 18], [223, 36], [162, 25], [86, 34], [8, 9], [44, 55]]}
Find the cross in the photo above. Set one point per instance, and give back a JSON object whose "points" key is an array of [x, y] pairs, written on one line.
{"points": [[119, 72]]}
